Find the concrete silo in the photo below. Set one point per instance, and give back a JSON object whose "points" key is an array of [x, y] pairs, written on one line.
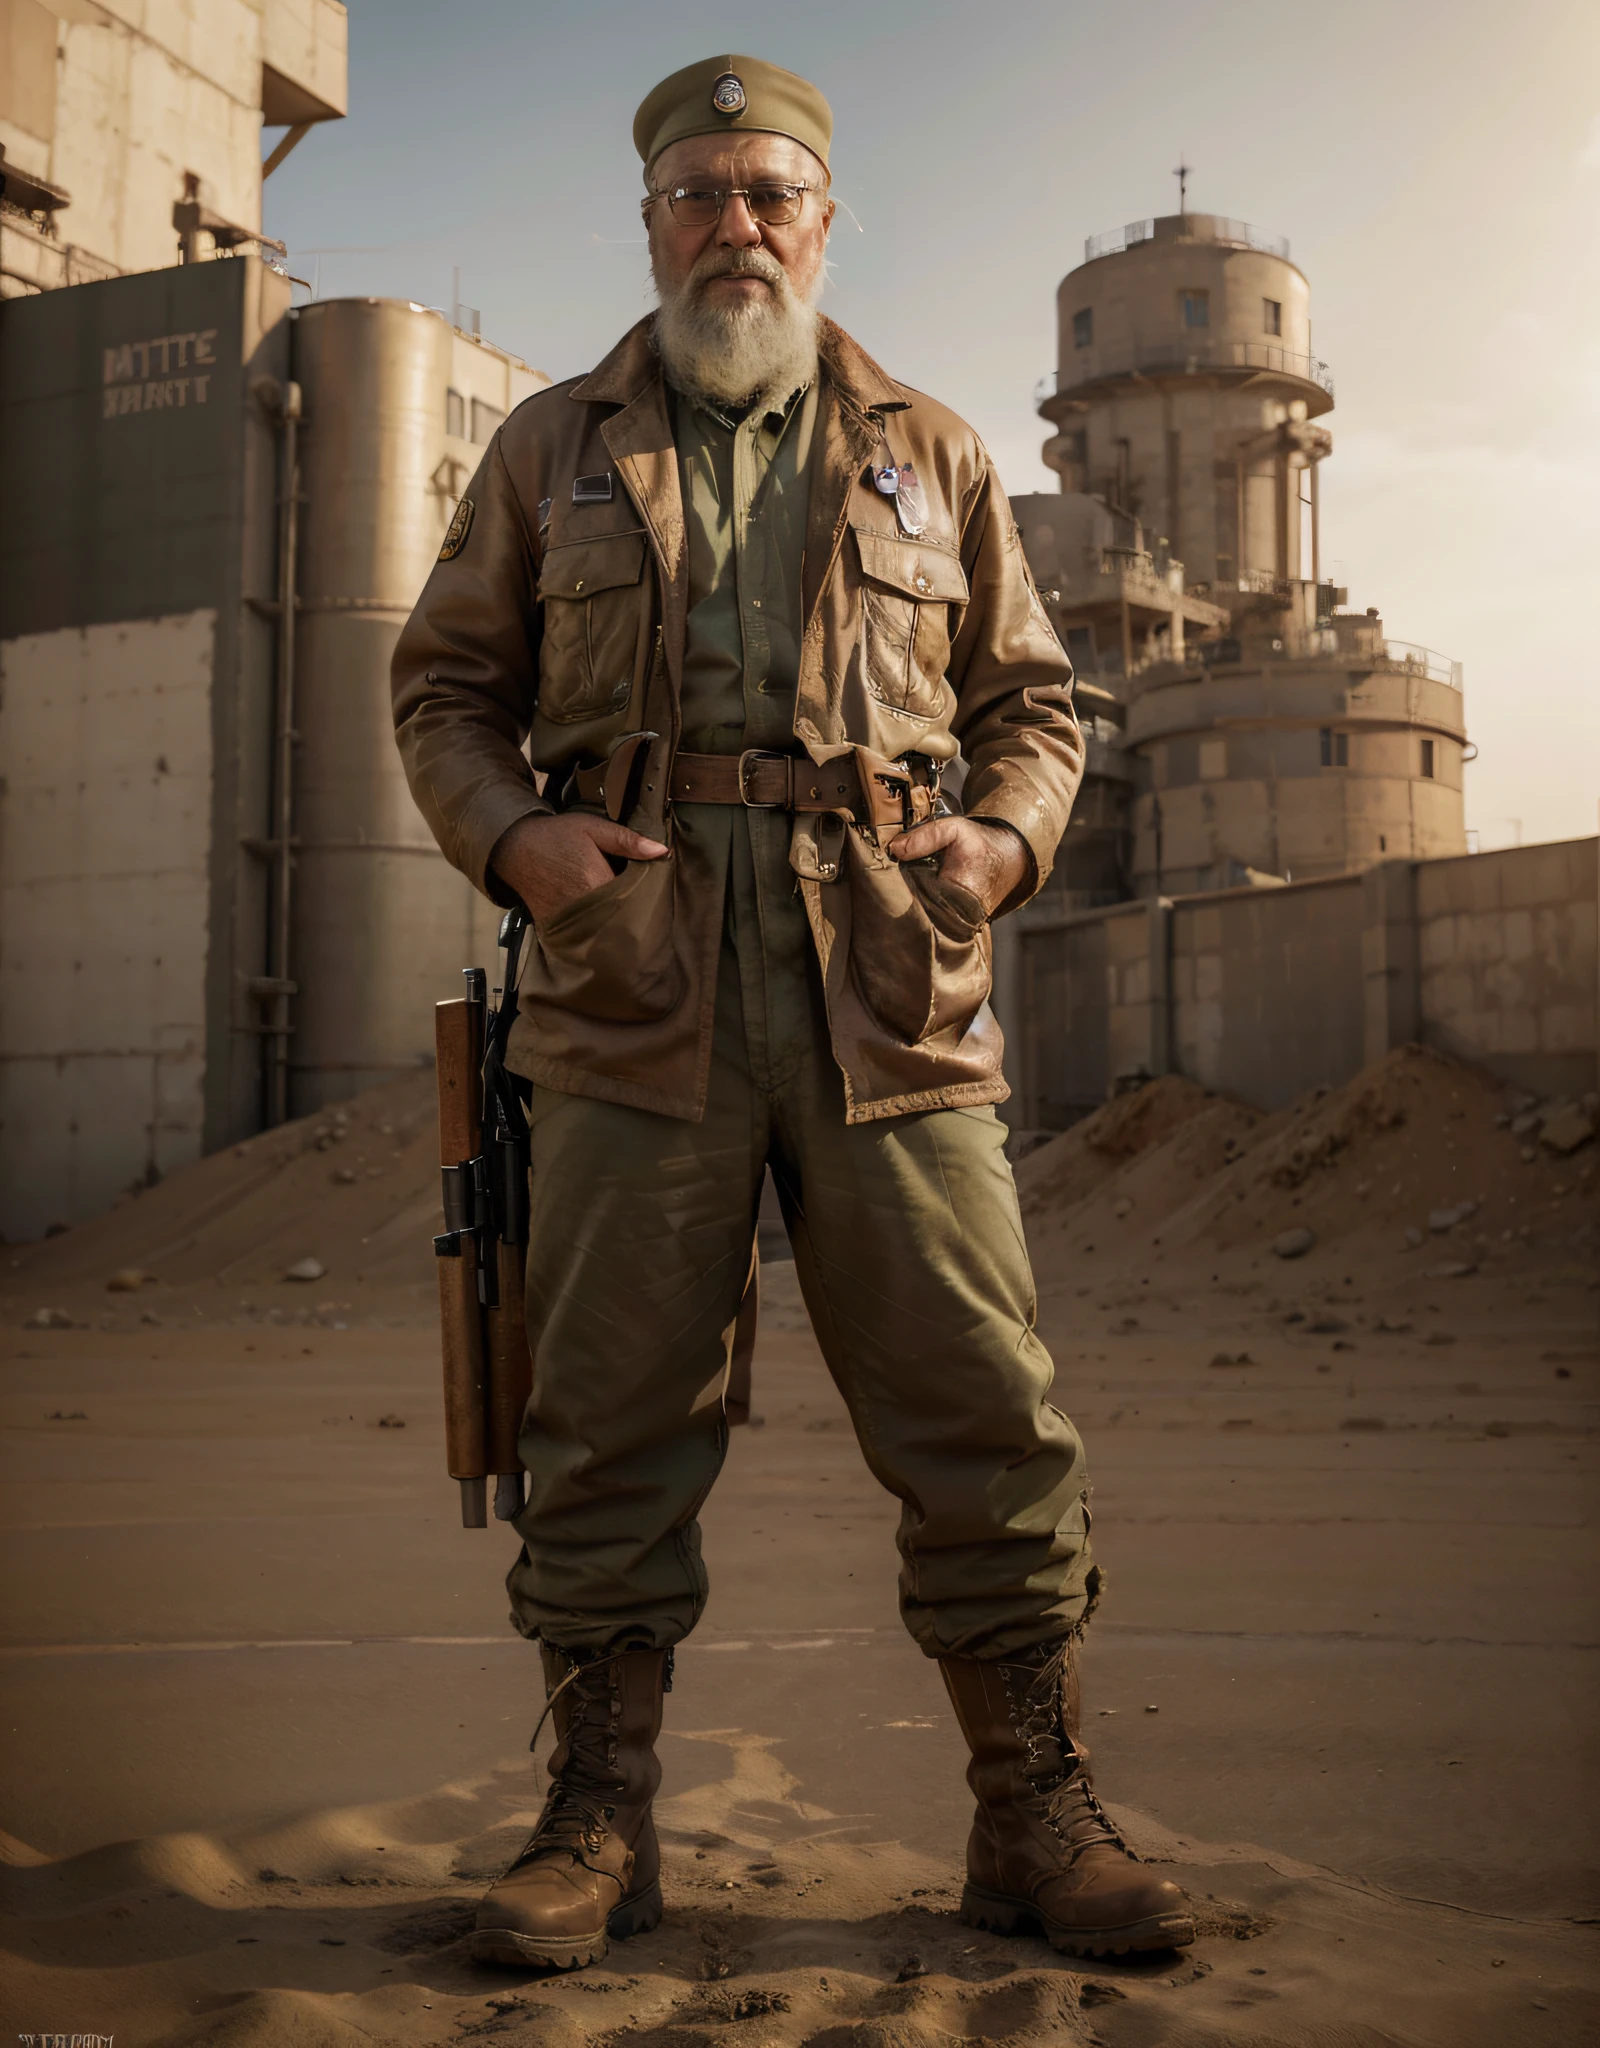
{"points": [[393, 400]]}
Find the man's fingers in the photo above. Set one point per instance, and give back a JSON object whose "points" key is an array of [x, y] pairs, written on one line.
{"points": [[922, 840], [617, 839]]}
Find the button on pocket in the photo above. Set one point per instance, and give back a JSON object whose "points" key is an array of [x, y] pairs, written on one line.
{"points": [[595, 601]]}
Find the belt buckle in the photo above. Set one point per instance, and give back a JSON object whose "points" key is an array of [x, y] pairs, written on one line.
{"points": [[758, 754]]}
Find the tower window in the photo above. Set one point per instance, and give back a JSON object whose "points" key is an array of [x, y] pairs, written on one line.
{"points": [[455, 414], [1272, 315], [1083, 327], [1196, 308], [1427, 760], [1336, 749], [485, 418]]}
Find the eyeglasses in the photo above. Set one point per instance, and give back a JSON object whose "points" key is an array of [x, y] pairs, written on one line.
{"points": [[701, 206]]}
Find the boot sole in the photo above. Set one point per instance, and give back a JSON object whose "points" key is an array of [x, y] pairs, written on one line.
{"points": [[997, 1914], [568, 1952]]}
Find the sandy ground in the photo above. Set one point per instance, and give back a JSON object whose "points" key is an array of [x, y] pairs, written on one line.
{"points": [[267, 1726]]}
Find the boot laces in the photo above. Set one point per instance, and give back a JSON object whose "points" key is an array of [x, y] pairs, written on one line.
{"points": [[1054, 1766], [578, 1808]]}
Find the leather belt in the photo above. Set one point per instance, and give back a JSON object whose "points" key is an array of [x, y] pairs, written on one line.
{"points": [[765, 781]]}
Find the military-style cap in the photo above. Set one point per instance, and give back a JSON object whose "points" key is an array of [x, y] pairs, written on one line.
{"points": [[743, 93]]}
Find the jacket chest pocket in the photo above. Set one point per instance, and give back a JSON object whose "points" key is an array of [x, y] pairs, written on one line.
{"points": [[912, 597], [595, 599]]}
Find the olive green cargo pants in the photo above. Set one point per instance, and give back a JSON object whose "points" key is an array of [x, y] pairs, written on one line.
{"points": [[909, 1250]]}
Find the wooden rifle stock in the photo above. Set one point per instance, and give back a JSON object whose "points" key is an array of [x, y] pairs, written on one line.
{"points": [[458, 1037], [483, 1152]]}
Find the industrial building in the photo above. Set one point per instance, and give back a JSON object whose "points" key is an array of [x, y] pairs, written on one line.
{"points": [[1248, 725], [219, 905]]}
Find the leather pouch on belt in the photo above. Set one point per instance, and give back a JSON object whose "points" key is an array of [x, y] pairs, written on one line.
{"points": [[621, 785], [919, 946]]}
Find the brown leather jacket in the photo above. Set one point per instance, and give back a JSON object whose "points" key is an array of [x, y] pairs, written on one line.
{"points": [[551, 629]]}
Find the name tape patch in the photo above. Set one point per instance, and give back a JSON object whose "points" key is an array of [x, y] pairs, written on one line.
{"points": [[455, 538]]}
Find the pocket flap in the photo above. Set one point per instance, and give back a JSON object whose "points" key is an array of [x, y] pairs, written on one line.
{"points": [[911, 566], [578, 568]]}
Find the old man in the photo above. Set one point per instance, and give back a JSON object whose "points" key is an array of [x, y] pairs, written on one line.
{"points": [[709, 625]]}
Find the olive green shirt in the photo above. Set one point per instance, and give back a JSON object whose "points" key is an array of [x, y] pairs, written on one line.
{"points": [[745, 486]]}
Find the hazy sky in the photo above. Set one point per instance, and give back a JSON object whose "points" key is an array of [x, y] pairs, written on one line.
{"points": [[1434, 163]]}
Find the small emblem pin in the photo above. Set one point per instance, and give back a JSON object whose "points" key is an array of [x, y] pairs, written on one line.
{"points": [[592, 490], [455, 537], [727, 95], [911, 502]]}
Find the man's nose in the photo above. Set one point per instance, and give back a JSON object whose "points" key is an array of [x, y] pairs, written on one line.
{"points": [[738, 227]]}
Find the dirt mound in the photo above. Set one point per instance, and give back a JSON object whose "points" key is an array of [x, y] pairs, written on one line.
{"points": [[1417, 1151], [1084, 1158], [1420, 1154], [354, 1191]]}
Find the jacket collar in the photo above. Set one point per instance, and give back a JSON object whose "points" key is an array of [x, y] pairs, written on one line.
{"points": [[633, 366]]}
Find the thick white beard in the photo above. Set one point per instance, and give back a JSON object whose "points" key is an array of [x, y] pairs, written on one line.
{"points": [[734, 355]]}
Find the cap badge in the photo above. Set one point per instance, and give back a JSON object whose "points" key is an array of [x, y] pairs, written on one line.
{"points": [[727, 95]]}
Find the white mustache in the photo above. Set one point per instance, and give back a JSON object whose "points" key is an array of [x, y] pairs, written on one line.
{"points": [[737, 263]]}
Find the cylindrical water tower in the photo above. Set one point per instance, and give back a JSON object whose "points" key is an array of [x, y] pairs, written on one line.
{"points": [[1271, 732], [1184, 389], [382, 925]]}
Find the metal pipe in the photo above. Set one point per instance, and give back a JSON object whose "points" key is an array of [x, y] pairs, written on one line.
{"points": [[283, 765], [1316, 526]]}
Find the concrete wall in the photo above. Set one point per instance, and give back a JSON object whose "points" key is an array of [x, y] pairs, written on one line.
{"points": [[138, 473], [1081, 997], [1268, 992], [1252, 970], [1507, 961], [105, 846]]}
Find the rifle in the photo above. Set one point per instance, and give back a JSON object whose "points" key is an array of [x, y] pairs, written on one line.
{"points": [[483, 1158]]}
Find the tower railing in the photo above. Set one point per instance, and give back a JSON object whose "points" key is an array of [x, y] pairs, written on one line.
{"points": [[1415, 660], [1184, 357], [1232, 234], [1402, 657]]}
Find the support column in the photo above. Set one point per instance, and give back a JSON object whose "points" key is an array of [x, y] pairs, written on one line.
{"points": [[1158, 967], [1390, 964]]}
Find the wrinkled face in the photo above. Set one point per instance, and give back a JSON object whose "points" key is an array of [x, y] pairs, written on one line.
{"points": [[722, 162]]}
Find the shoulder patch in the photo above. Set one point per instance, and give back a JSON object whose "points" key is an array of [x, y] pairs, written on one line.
{"points": [[460, 526]]}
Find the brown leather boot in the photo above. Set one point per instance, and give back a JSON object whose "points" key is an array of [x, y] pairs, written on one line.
{"points": [[1042, 1856], [591, 1868]]}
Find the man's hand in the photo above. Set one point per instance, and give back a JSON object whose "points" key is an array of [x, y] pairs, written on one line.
{"points": [[990, 860], [551, 860]]}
